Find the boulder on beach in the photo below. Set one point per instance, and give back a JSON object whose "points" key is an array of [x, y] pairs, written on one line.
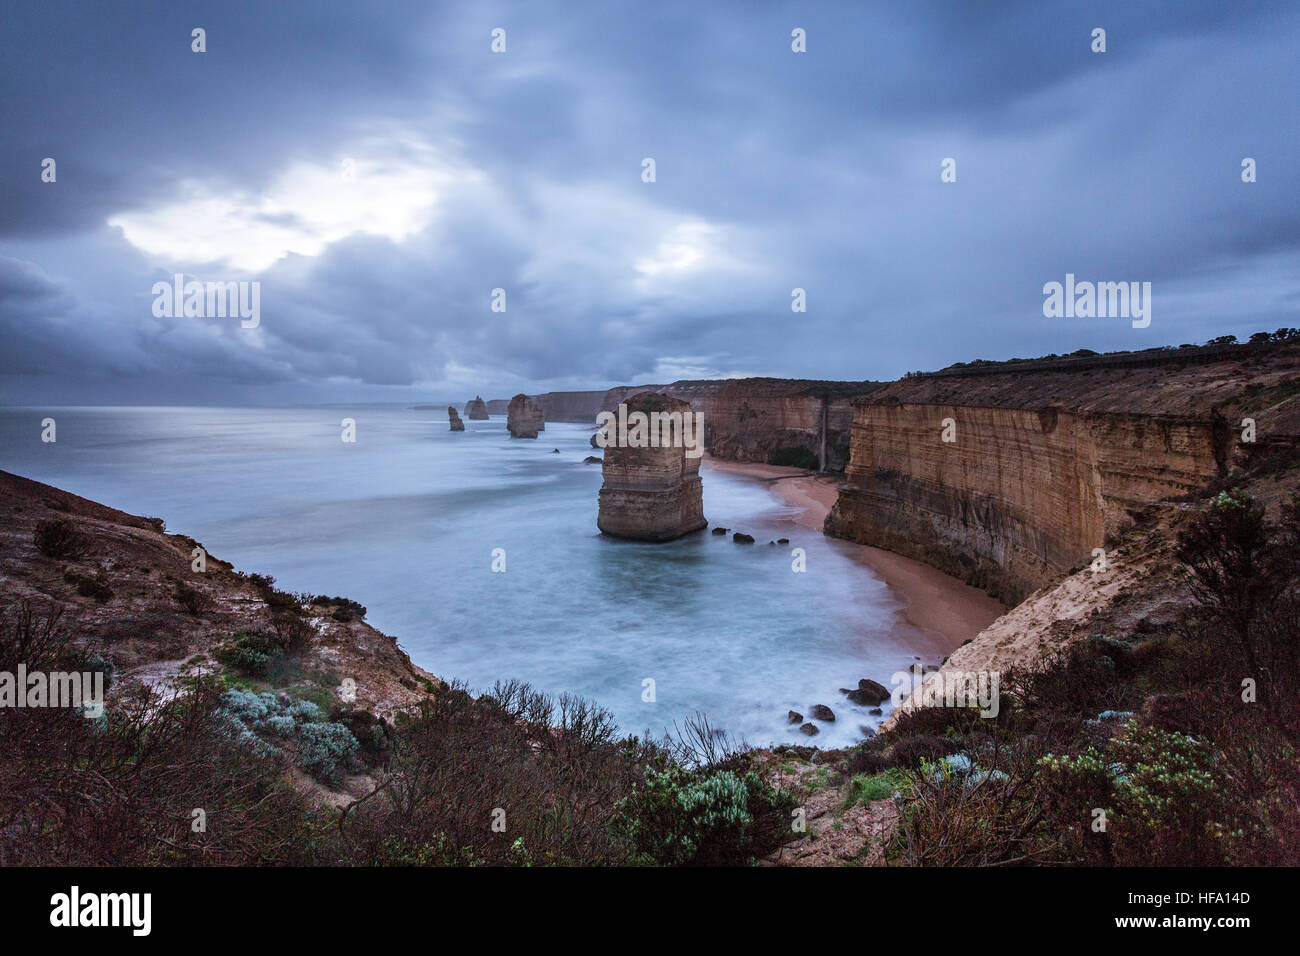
{"points": [[456, 424], [524, 417], [741, 538], [868, 694], [476, 409]]}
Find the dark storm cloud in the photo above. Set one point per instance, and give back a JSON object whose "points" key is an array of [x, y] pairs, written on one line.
{"points": [[522, 171]]}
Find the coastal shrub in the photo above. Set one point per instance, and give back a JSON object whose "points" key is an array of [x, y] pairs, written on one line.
{"points": [[58, 538], [119, 790], [341, 608], [249, 654], [460, 764], [324, 748], [678, 817], [795, 456]]}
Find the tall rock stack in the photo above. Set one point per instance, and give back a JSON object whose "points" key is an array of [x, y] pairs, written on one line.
{"points": [[524, 417], [651, 494], [476, 409], [456, 424]]}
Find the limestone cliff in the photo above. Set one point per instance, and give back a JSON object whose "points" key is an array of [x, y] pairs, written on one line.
{"points": [[524, 417], [581, 407], [1044, 465], [456, 424], [476, 410], [770, 420], [651, 493]]}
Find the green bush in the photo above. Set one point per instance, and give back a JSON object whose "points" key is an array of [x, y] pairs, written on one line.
{"points": [[249, 654], [262, 722], [679, 817]]}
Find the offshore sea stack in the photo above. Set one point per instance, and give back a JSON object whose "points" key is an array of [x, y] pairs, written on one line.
{"points": [[651, 493], [456, 424], [524, 417], [476, 409]]}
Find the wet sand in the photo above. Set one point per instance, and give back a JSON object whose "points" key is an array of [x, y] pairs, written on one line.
{"points": [[936, 602]]}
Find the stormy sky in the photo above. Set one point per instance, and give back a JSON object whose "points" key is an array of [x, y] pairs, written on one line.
{"points": [[379, 170]]}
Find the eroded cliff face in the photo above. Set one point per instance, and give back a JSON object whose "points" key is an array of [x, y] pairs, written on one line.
{"points": [[476, 410], [1044, 467], [651, 493], [454, 418], [579, 407], [773, 421]]}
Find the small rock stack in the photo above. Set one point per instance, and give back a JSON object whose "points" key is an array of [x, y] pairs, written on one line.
{"points": [[524, 417], [456, 424], [651, 494], [476, 409]]}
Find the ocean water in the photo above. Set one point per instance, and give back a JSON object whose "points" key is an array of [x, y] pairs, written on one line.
{"points": [[405, 520]]}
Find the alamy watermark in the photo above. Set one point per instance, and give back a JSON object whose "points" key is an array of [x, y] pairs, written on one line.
{"points": [[1101, 300], [977, 689], [209, 300], [33, 689], [624, 429]]}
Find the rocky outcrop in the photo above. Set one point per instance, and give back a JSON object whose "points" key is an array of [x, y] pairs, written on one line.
{"points": [[476, 410], [1044, 466], [799, 422], [456, 424], [524, 417], [651, 493], [160, 622]]}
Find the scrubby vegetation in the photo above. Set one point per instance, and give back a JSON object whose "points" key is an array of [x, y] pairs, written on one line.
{"points": [[58, 538], [1153, 748], [512, 777]]}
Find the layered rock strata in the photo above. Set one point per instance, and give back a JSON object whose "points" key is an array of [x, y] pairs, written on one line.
{"points": [[799, 422], [651, 493], [476, 409], [1043, 467], [456, 424], [524, 417]]}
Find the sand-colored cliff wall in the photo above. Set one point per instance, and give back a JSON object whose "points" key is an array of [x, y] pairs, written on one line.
{"points": [[1045, 466], [769, 420]]}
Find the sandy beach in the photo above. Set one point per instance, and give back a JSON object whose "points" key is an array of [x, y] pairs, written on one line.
{"points": [[952, 610]]}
